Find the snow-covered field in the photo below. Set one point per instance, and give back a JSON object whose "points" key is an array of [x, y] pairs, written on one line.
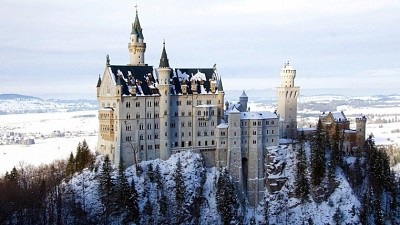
{"points": [[59, 134]]}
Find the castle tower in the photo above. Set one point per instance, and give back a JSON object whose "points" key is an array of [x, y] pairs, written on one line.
{"points": [[164, 72], [361, 123], [136, 46], [287, 95], [221, 103], [235, 150], [243, 99]]}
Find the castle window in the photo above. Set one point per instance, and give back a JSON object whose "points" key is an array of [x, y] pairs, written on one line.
{"points": [[189, 124], [190, 113], [156, 104], [272, 140], [149, 115], [199, 113], [156, 136], [199, 143], [212, 142], [137, 115], [190, 143], [141, 127], [178, 103], [165, 112], [142, 147], [156, 115], [208, 102], [254, 123], [182, 124], [166, 134], [137, 104], [198, 133], [266, 122], [176, 144], [234, 134], [128, 116], [148, 137], [206, 143], [176, 134], [182, 144], [190, 134], [198, 102], [166, 124], [128, 138], [183, 134], [150, 147], [149, 126], [188, 102], [254, 132], [157, 146], [141, 137], [234, 124], [176, 114], [212, 133], [234, 143], [149, 104], [267, 132], [128, 105], [212, 123], [205, 133], [182, 113], [272, 131]]}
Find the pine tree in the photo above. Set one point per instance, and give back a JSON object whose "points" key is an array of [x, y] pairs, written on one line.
{"points": [[179, 193], [122, 188], [132, 206], [337, 217], [79, 164], [70, 170], [226, 198], [301, 183], [158, 179], [336, 157], [150, 173], [318, 155], [106, 189]]}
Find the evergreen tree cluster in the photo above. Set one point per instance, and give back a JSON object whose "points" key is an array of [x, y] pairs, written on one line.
{"points": [[226, 198]]}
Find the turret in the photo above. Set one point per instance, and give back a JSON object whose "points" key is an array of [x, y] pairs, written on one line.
{"points": [[287, 75], [164, 72], [287, 95], [98, 86], [136, 46], [361, 123], [243, 99]]}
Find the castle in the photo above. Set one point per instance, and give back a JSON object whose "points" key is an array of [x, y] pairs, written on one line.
{"points": [[147, 113]]}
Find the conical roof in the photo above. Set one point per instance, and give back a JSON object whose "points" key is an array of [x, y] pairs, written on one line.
{"points": [[98, 81], [164, 63], [136, 28]]}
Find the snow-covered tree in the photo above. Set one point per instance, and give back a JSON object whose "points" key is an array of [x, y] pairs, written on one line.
{"points": [[226, 198], [318, 146]]}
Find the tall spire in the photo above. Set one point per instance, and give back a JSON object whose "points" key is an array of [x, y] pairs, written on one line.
{"points": [[220, 88], [136, 28], [164, 63]]}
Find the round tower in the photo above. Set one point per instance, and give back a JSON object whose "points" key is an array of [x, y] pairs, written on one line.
{"points": [[164, 72], [287, 74], [136, 46], [287, 95], [243, 99], [361, 124]]}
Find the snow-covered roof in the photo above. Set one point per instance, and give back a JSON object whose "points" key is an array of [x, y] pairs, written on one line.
{"points": [[223, 126], [258, 115], [350, 131], [205, 106], [234, 110], [339, 116]]}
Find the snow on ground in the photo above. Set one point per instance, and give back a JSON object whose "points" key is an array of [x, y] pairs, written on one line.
{"points": [[76, 126]]}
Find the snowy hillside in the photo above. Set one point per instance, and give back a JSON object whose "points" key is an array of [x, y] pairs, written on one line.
{"points": [[281, 207], [17, 104]]}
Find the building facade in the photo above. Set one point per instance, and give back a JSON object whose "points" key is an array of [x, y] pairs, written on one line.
{"points": [[147, 113], [353, 140]]}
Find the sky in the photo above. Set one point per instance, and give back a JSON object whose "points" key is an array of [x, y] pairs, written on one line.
{"points": [[57, 49]]}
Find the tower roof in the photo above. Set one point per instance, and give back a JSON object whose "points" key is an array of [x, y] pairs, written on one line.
{"points": [[136, 28], [98, 81], [243, 95], [287, 67], [220, 87], [164, 63]]}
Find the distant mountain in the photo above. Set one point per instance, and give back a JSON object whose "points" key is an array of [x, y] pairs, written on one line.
{"points": [[19, 104], [17, 96]]}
